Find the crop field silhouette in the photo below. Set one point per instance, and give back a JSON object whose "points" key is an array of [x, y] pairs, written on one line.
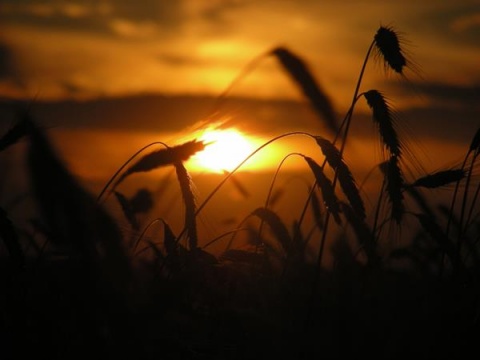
{"points": [[78, 280]]}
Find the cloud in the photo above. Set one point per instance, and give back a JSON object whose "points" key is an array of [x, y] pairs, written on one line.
{"points": [[190, 46], [467, 27], [462, 96], [130, 29], [6, 62], [466, 23], [122, 18], [56, 15], [10, 74], [29, 10], [166, 13]]}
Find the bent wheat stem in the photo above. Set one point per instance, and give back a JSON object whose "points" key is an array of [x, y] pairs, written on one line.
{"points": [[125, 164]]}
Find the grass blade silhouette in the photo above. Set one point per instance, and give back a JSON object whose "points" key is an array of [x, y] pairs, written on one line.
{"points": [[326, 188], [345, 177], [440, 178], [394, 184], [127, 210], [185, 183], [164, 157], [303, 77], [279, 229], [384, 119], [73, 216], [20, 130]]}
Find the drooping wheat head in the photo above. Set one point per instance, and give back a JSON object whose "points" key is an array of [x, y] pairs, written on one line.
{"points": [[18, 131], [326, 188], [394, 184], [440, 178], [303, 77], [363, 233], [185, 183], [164, 157], [345, 177], [384, 119], [278, 228]]}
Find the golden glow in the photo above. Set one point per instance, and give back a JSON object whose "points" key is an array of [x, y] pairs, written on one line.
{"points": [[226, 149]]}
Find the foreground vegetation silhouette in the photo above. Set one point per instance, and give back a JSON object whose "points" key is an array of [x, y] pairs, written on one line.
{"points": [[73, 285]]}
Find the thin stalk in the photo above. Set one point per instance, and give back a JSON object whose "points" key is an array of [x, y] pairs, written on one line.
{"points": [[346, 123], [313, 291], [462, 215], [245, 71], [135, 245], [214, 240], [450, 217], [355, 96], [125, 164], [377, 211], [305, 207], [267, 200], [472, 206], [327, 216], [225, 179], [454, 198]]}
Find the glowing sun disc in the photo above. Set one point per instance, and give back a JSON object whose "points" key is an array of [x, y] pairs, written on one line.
{"points": [[226, 149]]}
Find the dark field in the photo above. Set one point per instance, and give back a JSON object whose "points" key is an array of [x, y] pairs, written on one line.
{"points": [[330, 261]]}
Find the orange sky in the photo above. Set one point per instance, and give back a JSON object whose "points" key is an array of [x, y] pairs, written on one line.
{"points": [[75, 49], [111, 52]]}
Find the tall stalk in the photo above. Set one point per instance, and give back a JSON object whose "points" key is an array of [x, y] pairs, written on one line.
{"points": [[347, 122]]}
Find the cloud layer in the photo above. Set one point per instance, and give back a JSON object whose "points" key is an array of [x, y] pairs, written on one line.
{"points": [[58, 49]]}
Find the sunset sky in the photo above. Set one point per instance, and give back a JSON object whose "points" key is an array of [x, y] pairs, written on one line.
{"points": [[61, 49], [56, 50], [108, 77]]}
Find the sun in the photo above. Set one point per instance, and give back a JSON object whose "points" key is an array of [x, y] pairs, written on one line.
{"points": [[225, 150]]}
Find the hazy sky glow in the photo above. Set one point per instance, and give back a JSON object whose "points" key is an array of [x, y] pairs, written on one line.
{"points": [[100, 73], [55, 49], [106, 49]]}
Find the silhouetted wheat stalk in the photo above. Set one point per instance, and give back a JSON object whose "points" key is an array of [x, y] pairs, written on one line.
{"points": [[164, 157]]}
